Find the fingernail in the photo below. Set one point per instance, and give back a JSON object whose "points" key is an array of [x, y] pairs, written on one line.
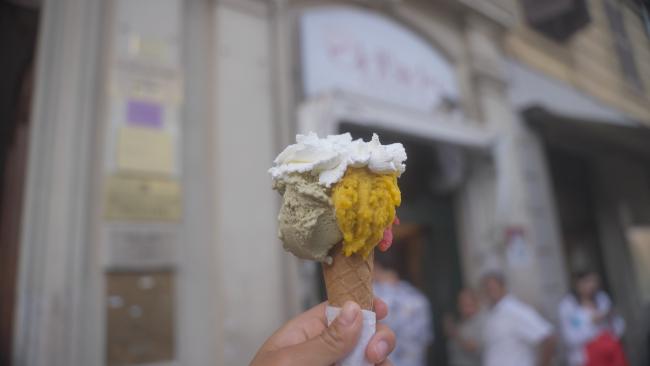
{"points": [[381, 349], [349, 313]]}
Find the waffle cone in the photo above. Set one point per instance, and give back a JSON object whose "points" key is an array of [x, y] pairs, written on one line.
{"points": [[349, 278]]}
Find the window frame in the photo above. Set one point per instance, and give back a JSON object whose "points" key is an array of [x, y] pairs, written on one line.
{"points": [[642, 9], [622, 44]]}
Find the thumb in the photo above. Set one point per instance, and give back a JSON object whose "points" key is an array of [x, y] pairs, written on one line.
{"points": [[334, 342]]}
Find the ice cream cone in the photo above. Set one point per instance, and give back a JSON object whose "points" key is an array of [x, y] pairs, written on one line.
{"points": [[349, 278]]}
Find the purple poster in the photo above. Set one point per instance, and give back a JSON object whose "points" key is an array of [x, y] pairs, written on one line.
{"points": [[144, 114]]}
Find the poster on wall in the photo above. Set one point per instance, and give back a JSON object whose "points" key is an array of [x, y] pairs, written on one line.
{"points": [[142, 198], [517, 248], [162, 84], [139, 318], [145, 150], [139, 246]]}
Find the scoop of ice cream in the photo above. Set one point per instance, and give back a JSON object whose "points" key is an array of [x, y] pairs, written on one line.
{"points": [[365, 207], [359, 207], [307, 223], [329, 157], [387, 241]]}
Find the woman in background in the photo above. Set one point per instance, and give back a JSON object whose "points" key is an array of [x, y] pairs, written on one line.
{"points": [[464, 337], [590, 328]]}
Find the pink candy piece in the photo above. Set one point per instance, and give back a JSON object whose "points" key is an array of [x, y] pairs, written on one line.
{"points": [[387, 241]]}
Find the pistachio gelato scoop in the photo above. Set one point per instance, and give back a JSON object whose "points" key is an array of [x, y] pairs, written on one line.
{"points": [[307, 221]]}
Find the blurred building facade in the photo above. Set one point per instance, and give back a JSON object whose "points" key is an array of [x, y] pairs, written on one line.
{"points": [[149, 231], [585, 100]]}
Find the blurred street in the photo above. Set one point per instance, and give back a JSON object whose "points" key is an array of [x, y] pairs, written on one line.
{"points": [[138, 225]]}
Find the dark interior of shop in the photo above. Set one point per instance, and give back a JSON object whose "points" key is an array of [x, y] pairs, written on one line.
{"points": [[426, 245], [574, 192]]}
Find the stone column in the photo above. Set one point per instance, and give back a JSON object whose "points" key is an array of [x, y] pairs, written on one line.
{"points": [[58, 292], [249, 254]]}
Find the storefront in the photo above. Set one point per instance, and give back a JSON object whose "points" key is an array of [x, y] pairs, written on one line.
{"points": [[595, 162], [177, 236], [372, 70]]}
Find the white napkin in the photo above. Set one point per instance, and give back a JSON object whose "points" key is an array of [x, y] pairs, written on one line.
{"points": [[358, 355]]}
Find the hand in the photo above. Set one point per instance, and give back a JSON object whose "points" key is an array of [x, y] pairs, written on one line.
{"points": [[307, 340], [600, 317]]}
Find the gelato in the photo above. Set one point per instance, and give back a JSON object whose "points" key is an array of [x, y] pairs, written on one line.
{"points": [[338, 203], [307, 222], [337, 189], [365, 207]]}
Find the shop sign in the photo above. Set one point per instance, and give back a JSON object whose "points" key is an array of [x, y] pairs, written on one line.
{"points": [[364, 53]]}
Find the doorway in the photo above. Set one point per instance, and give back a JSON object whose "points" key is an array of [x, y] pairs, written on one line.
{"points": [[426, 244], [18, 27], [573, 183]]}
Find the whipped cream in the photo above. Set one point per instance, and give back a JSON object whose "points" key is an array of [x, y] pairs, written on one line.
{"points": [[329, 157]]}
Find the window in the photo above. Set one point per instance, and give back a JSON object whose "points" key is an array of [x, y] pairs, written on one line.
{"points": [[556, 19], [622, 43], [644, 11]]}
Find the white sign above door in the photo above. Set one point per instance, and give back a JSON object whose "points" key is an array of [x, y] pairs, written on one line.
{"points": [[367, 54]]}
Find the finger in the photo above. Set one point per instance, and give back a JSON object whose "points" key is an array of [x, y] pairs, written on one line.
{"points": [[385, 363], [333, 343], [317, 311], [299, 329], [381, 309], [381, 344]]}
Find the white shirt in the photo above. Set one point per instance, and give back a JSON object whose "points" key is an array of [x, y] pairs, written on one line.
{"points": [[513, 331], [578, 328]]}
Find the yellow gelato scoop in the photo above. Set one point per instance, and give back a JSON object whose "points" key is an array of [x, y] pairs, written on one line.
{"points": [[365, 204]]}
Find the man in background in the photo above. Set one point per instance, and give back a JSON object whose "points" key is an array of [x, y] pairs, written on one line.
{"points": [[515, 334], [409, 313], [465, 337]]}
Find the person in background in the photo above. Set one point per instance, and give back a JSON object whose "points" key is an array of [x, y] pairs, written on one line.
{"points": [[514, 334], [589, 327], [465, 338], [410, 314]]}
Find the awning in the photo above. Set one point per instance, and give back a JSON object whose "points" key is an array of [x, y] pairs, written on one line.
{"points": [[530, 88], [595, 136], [323, 115]]}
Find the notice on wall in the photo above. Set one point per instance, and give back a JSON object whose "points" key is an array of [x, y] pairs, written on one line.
{"points": [[517, 251], [148, 48], [142, 198], [145, 150], [142, 113], [153, 82], [139, 318], [140, 246]]}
